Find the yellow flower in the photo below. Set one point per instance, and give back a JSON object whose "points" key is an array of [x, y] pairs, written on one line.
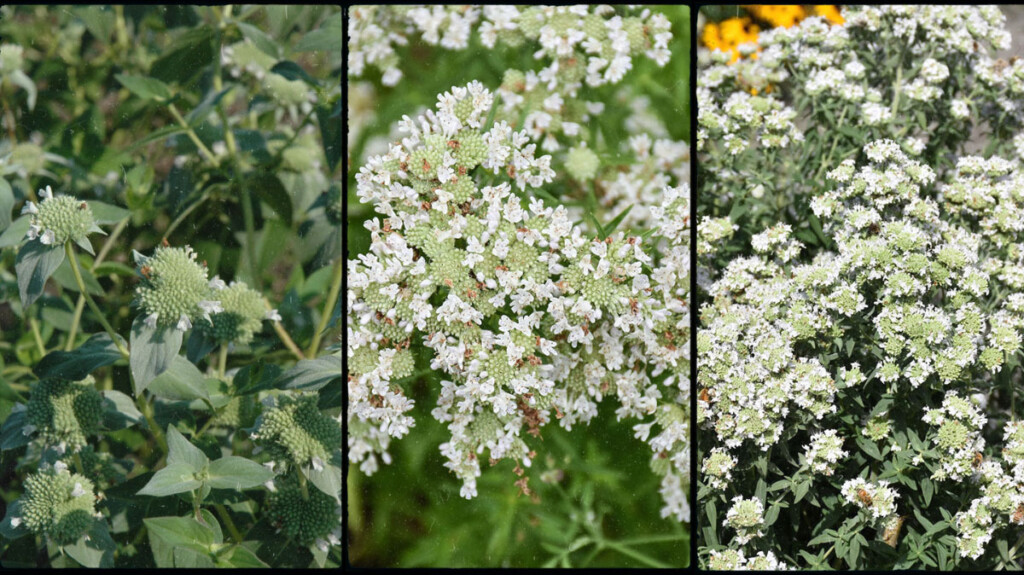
{"points": [[830, 13]]}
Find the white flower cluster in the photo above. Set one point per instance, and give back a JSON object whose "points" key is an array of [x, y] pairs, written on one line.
{"points": [[746, 516], [824, 451], [878, 499], [734, 560], [529, 318], [875, 269], [595, 43]]}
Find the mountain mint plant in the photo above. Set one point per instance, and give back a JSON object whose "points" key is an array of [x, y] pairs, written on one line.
{"points": [[527, 265], [860, 317], [156, 408]]}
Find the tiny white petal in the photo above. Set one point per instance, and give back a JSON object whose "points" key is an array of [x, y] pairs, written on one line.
{"points": [[270, 486], [184, 323], [60, 466], [33, 232], [46, 194], [318, 464], [322, 545], [15, 521], [78, 491], [333, 539], [30, 208], [217, 283], [273, 315], [48, 237], [150, 320]]}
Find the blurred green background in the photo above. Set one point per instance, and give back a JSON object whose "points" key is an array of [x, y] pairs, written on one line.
{"points": [[600, 506]]}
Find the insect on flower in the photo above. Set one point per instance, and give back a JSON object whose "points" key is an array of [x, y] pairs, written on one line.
{"points": [[864, 497]]}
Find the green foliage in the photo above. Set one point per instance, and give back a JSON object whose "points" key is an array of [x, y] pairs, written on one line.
{"points": [[130, 130]]}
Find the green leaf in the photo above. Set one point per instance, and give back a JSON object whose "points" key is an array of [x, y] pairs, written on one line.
{"points": [[330, 135], [35, 264], [207, 519], [113, 268], [12, 434], [260, 39], [8, 531], [157, 135], [181, 451], [145, 87], [239, 556], [324, 39], [188, 55], [618, 220], [175, 478], [182, 381], [119, 410], [20, 79], [97, 351], [327, 479], [268, 187], [233, 472], [199, 346], [95, 548], [256, 377], [65, 278], [6, 204], [169, 533], [152, 351], [200, 112], [15, 233], [293, 71], [106, 214], [311, 374]]}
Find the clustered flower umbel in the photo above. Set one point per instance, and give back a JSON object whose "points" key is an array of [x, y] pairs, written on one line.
{"points": [[595, 43], [529, 318], [63, 413], [175, 289]]}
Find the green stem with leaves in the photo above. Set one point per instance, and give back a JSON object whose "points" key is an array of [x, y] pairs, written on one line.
{"points": [[92, 304], [80, 306], [332, 297], [226, 517]]}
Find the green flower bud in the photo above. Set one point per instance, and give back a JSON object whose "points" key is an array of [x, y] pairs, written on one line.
{"points": [[65, 411], [582, 163], [305, 520], [297, 431], [58, 219], [175, 290], [58, 503], [243, 313]]}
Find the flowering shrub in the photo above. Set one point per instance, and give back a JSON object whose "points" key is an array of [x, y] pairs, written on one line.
{"points": [[861, 316], [526, 260], [170, 235]]}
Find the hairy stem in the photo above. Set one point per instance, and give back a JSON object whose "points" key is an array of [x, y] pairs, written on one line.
{"points": [[332, 297], [36, 335], [250, 237], [92, 304]]}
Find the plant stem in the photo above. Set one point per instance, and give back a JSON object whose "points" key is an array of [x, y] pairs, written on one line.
{"points": [[302, 485], [222, 361], [192, 135], [184, 214], [287, 340], [81, 298], [88, 299], [250, 237], [332, 297], [650, 562], [147, 411], [226, 517], [36, 335]]}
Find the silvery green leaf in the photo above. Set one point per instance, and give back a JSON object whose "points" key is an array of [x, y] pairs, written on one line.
{"points": [[36, 262], [182, 451], [152, 351], [175, 478], [233, 472]]}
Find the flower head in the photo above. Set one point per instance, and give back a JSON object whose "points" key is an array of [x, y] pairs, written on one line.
{"points": [[174, 290], [58, 219]]}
